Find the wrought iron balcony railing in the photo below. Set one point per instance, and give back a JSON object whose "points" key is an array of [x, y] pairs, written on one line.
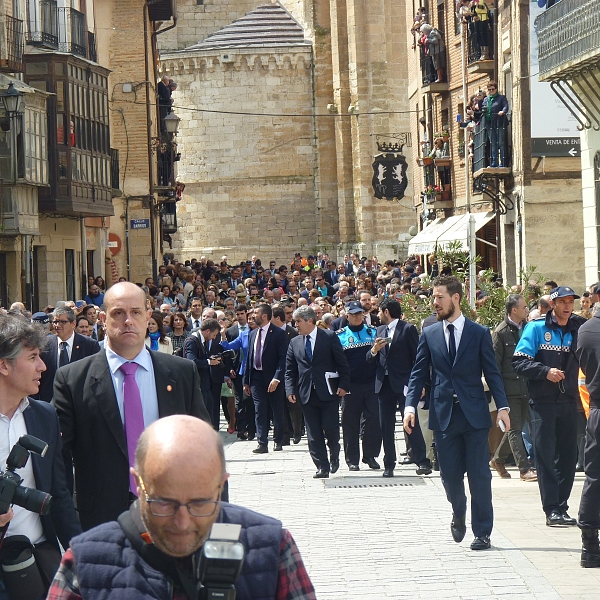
{"points": [[480, 35], [115, 176], [42, 22], [11, 59], [72, 32], [568, 31]]}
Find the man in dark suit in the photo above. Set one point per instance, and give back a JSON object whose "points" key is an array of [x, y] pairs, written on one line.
{"points": [[395, 361], [195, 317], [200, 348], [20, 371], [331, 275], [293, 416], [92, 405], [312, 355], [263, 376], [64, 348], [456, 351]]}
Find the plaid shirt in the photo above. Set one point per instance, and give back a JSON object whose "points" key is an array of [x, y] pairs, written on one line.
{"points": [[293, 581]]}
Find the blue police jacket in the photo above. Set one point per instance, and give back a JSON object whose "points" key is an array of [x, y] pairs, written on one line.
{"points": [[355, 341]]}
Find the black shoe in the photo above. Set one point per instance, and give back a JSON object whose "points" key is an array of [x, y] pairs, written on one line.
{"points": [[554, 519], [321, 474], [424, 470], [590, 550], [277, 447], [458, 529], [373, 464], [388, 473], [353, 468], [260, 449], [435, 465], [335, 465], [407, 460], [242, 435], [481, 543], [297, 439], [568, 520], [286, 442], [251, 437]]}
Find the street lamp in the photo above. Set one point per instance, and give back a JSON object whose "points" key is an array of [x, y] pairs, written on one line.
{"points": [[11, 99], [171, 122]]}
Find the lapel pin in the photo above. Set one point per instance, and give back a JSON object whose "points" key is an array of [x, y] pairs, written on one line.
{"points": [[169, 388], [76, 347]]}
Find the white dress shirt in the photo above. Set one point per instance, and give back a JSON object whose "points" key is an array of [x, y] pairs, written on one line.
{"points": [[313, 339], [70, 342], [144, 377], [24, 522]]}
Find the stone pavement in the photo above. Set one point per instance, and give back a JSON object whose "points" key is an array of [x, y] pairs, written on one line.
{"points": [[361, 538]]}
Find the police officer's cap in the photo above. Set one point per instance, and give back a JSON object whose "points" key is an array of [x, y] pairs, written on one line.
{"points": [[562, 292], [354, 308], [40, 317]]}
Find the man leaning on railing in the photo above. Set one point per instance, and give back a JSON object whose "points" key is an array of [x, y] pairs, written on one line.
{"points": [[495, 109]]}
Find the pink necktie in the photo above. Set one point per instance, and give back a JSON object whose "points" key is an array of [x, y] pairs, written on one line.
{"points": [[134, 416], [258, 357]]}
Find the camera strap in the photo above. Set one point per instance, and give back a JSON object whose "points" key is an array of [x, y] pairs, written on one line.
{"points": [[134, 529]]}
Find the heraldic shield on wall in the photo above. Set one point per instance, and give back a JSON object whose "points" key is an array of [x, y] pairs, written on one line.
{"points": [[389, 176]]}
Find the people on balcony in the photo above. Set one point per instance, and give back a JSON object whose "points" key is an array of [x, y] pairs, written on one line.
{"points": [[433, 43], [420, 19], [481, 23], [164, 100], [495, 110]]}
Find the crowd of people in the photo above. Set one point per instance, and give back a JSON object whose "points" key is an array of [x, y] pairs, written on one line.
{"points": [[309, 349]]}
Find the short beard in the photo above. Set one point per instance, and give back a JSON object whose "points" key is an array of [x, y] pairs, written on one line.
{"points": [[447, 315]]}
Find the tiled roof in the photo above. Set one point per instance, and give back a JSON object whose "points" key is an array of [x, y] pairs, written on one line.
{"points": [[267, 25]]}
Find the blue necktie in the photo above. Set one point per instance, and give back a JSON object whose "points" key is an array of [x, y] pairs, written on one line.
{"points": [[308, 349], [451, 343]]}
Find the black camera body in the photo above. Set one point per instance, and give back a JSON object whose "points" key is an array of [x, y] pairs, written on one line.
{"points": [[11, 489], [225, 354]]}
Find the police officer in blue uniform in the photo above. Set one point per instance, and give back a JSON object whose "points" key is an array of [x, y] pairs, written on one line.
{"points": [[361, 399], [545, 355]]}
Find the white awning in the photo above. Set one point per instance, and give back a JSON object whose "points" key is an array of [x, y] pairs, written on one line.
{"points": [[443, 231]]}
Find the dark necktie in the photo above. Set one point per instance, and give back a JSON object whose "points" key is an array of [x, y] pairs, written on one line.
{"points": [[308, 349], [133, 415], [258, 357], [94, 334], [196, 324], [63, 358], [451, 343]]}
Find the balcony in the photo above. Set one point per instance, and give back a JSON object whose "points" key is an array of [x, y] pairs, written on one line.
{"points": [[568, 38], [480, 38], [169, 217], [11, 50], [72, 32], [429, 75], [18, 210], [115, 175], [42, 19], [484, 143]]}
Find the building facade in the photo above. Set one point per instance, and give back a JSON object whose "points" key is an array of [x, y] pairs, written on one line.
{"points": [[281, 105]]}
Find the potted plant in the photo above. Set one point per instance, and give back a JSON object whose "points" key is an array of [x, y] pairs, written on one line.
{"points": [[445, 135], [432, 192]]}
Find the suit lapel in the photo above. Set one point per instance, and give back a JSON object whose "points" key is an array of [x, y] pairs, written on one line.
{"points": [[166, 385], [77, 353], [103, 393], [35, 428], [442, 342], [465, 339]]}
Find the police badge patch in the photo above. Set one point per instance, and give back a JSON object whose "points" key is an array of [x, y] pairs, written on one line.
{"points": [[547, 336]]}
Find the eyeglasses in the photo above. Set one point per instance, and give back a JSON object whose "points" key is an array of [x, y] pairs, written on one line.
{"points": [[60, 322], [492, 88], [167, 508]]}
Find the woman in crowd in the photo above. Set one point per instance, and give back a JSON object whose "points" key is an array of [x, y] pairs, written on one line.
{"points": [[197, 292], [179, 333], [100, 283], [156, 338]]}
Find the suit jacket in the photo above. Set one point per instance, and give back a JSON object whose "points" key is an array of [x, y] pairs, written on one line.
{"points": [[190, 324], [194, 350], [290, 334], [273, 354], [49, 472], [82, 347], [331, 277], [302, 375], [474, 355], [92, 431], [397, 358]]}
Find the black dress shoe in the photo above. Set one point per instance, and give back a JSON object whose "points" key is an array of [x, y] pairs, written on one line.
{"points": [[481, 543], [373, 464], [554, 519], [260, 449], [321, 474], [297, 439], [388, 473], [335, 465], [286, 442], [568, 520], [424, 470], [353, 468], [407, 460], [458, 529], [277, 447], [242, 435]]}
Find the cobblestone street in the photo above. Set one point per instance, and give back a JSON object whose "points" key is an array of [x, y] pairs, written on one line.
{"points": [[362, 536]]}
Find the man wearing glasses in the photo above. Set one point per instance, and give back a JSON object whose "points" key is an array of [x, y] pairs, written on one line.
{"points": [[180, 472], [62, 349], [495, 109]]}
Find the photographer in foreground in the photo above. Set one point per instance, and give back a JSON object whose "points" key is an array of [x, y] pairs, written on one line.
{"points": [[152, 550], [20, 371]]}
